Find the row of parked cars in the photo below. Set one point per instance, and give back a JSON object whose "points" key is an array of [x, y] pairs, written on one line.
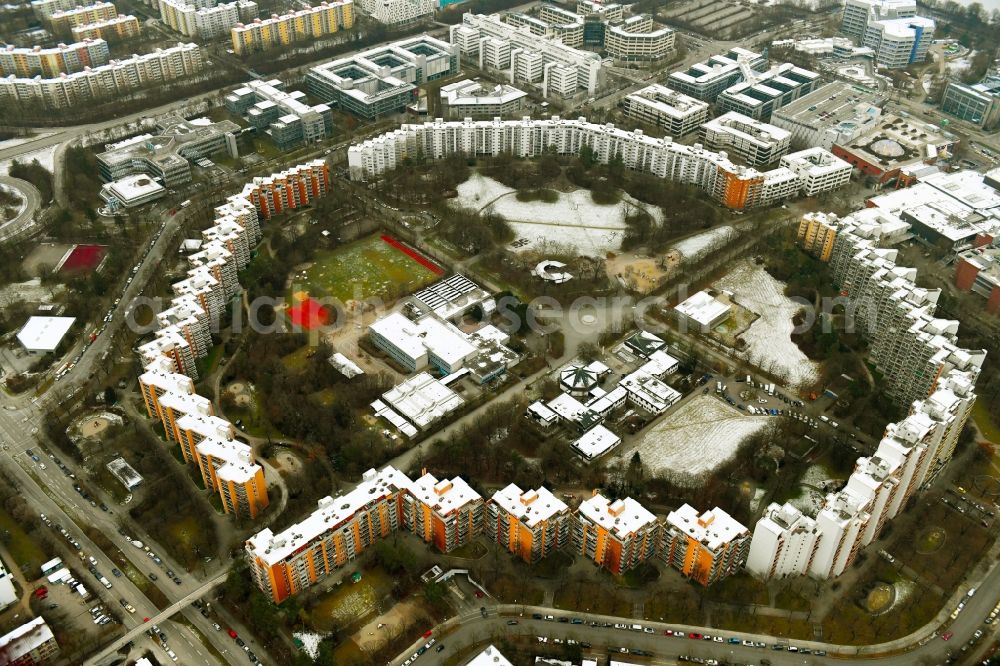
{"points": [[422, 649]]}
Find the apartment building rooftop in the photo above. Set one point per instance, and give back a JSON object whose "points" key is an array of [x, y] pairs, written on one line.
{"points": [[444, 497], [169, 382], [25, 638], [531, 507], [331, 512], [207, 426], [713, 529], [623, 517], [187, 403]]}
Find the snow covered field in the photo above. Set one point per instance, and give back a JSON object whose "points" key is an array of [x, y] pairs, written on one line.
{"points": [[695, 247], [574, 219], [769, 342], [46, 157], [693, 440]]}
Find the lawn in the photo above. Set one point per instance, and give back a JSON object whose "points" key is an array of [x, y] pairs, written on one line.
{"points": [[21, 547], [987, 425], [512, 589], [296, 361], [367, 268], [349, 602], [206, 364], [588, 596]]}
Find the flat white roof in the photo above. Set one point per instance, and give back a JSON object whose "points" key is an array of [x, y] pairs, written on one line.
{"points": [[539, 409], [623, 517], [650, 390], [713, 529], [660, 364], [452, 295], [44, 333], [596, 442], [444, 497], [134, 187], [702, 308], [422, 399], [489, 657], [25, 638], [567, 407], [531, 507], [427, 334], [331, 513]]}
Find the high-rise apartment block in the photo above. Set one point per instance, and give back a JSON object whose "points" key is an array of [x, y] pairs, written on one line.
{"points": [[900, 42], [61, 22], [704, 547], [816, 234], [119, 27], [755, 142], [675, 112], [530, 524], [734, 186], [447, 514], [62, 59], [46, 8], [617, 536], [206, 19], [117, 78], [301, 25], [784, 542], [398, 13], [557, 69], [228, 467], [288, 189]]}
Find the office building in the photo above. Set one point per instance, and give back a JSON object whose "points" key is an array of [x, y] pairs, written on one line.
{"points": [[638, 39], [836, 113], [289, 189], [206, 19], [115, 79], [382, 80], [30, 644], [648, 392], [119, 27], [978, 104], [978, 270], [551, 66], [707, 547], [566, 26], [764, 93], [755, 142], [398, 13], [63, 59], [529, 524], [900, 42], [285, 117], [131, 192], [63, 21], [166, 155], [446, 514], [706, 80], [608, 12], [818, 170], [427, 341], [302, 25], [675, 112], [734, 186], [340, 529], [858, 13], [472, 99], [617, 536], [784, 543]]}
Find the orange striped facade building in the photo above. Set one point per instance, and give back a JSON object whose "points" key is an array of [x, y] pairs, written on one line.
{"points": [[530, 524], [287, 190], [705, 548], [617, 536]]}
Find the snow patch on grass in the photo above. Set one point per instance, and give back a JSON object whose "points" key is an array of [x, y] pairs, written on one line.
{"points": [[694, 439], [46, 157], [768, 341], [695, 247]]}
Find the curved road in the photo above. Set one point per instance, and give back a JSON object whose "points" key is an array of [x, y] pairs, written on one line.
{"points": [[32, 200]]}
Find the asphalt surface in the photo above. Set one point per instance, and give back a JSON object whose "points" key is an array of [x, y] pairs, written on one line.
{"points": [[32, 200]]}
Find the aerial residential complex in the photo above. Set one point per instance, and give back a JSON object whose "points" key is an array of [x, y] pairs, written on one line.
{"points": [[301, 25], [707, 80], [658, 105], [117, 78], [206, 19], [122, 26], [553, 67], [382, 80], [756, 143], [736, 187], [284, 116], [63, 21], [706, 547], [65, 58], [834, 113], [473, 99]]}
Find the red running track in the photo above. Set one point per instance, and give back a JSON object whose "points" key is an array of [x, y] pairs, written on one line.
{"points": [[413, 254]]}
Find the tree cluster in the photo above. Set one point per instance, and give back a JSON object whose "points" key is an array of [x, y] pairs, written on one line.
{"points": [[36, 174]]}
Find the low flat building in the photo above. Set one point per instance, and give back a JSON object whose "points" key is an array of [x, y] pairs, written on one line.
{"points": [[755, 142], [648, 392], [131, 192], [835, 113], [31, 644], [471, 99], [707, 547], [703, 311], [595, 443], [643, 343], [490, 656], [978, 103], [125, 473], [675, 112], [893, 143], [8, 594], [422, 400], [530, 524], [978, 270], [426, 341], [42, 335]]}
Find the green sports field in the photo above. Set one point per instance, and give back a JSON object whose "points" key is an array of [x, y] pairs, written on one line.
{"points": [[366, 268]]}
